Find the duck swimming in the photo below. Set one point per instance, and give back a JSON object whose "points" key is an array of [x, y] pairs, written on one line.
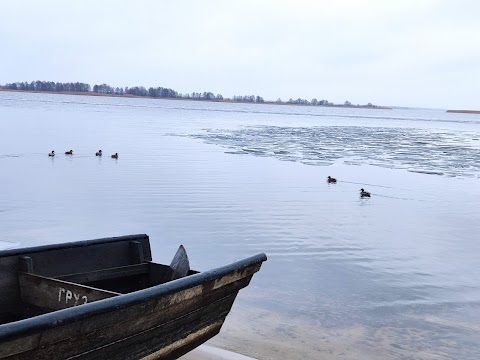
{"points": [[99, 153], [69, 152], [364, 193], [115, 156], [52, 153], [331, 180]]}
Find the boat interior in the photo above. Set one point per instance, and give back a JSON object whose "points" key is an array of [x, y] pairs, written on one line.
{"points": [[39, 280]]}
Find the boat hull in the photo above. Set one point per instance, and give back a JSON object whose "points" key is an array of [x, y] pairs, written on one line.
{"points": [[163, 321]]}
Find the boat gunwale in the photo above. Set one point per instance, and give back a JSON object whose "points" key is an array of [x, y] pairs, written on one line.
{"points": [[63, 317]]}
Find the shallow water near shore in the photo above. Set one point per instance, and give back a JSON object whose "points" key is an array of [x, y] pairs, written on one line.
{"points": [[395, 276]]}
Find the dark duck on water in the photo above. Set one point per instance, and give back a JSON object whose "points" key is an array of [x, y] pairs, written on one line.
{"points": [[364, 193], [331, 180]]}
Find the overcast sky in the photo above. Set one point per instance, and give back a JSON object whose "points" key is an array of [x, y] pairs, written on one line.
{"points": [[423, 53]]}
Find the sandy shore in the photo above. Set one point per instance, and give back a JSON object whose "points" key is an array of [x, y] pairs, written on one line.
{"points": [[464, 111], [205, 352]]}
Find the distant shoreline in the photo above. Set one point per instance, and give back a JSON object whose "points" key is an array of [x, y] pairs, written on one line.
{"points": [[91, 93], [464, 111]]}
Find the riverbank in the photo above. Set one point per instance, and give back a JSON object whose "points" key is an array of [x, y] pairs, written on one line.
{"points": [[464, 111], [91, 93]]}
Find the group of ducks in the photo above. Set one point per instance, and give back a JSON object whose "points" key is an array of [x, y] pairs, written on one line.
{"points": [[363, 193], [98, 153]]}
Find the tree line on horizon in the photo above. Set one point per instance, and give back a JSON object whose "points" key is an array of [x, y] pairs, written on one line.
{"points": [[159, 92]]}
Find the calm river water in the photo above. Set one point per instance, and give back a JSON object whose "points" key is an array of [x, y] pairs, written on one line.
{"points": [[395, 276]]}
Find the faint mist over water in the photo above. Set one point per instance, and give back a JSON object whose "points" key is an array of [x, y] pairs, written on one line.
{"points": [[393, 276]]}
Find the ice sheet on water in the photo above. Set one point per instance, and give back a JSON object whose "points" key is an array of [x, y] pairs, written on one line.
{"points": [[418, 150]]}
